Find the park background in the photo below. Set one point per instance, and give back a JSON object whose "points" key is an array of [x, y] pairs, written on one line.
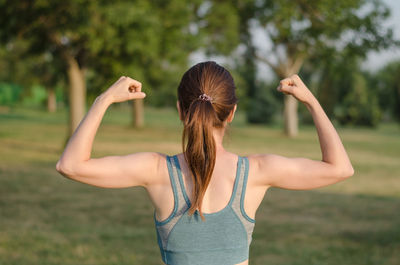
{"points": [[56, 57]]}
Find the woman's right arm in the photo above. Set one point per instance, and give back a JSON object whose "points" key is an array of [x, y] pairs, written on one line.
{"points": [[302, 173]]}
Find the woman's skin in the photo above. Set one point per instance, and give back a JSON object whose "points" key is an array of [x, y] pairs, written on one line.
{"points": [[149, 169]]}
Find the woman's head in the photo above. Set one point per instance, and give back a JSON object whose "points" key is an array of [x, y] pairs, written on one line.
{"points": [[200, 116]]}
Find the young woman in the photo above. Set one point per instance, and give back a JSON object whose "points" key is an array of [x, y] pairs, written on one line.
{"points": [[205, 198]]}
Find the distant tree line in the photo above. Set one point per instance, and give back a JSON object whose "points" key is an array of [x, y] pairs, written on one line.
{"points": [[82, 46]]}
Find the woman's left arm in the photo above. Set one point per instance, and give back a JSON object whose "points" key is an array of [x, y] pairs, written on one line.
{"points": [[137, 169]]}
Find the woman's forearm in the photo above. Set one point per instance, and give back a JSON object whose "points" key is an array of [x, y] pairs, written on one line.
{"points": [[333, 151], [80, 144]]}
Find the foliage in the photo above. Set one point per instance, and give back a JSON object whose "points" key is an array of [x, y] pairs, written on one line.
{"points": [[264, 105], [359, 106], [387, 81], [148, 40], [152, 40], [300, 29], [145, 39], [347, 94], [9, 94]]}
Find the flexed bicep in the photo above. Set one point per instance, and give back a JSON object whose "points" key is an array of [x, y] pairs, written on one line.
{"points": [[296, 173], [139, 169]]}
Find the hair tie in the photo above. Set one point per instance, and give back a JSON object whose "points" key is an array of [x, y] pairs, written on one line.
{"points": [[205, 97]]}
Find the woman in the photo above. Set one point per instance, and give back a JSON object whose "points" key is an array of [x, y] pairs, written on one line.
{"points": [[205, 198]]}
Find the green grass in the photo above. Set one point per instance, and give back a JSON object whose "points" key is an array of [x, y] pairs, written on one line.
{"points": [[48, 219]]}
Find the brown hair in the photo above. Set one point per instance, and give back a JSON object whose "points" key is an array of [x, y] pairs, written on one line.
{"points": [[200, 116]]}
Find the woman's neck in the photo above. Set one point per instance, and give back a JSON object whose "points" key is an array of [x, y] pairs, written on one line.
{"points": [[218, 138]]}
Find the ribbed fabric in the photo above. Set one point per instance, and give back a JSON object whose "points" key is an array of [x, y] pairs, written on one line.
{"points": [[222, 239]]}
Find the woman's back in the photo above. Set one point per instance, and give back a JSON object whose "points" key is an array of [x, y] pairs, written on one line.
{"points": [[218, 192], [225, 235]]}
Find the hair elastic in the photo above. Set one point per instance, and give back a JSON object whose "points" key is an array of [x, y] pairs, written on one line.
{"points": [[205, 97]]}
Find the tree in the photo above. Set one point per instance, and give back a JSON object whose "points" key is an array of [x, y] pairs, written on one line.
{"points": [[33, 70], [97, 40], [153, 44], [299, 30], [227, 30], [360, 104], [387, 82], [58, 28]]}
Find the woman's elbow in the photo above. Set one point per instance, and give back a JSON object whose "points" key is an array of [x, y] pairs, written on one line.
{"points": [[58, 166], [63, 169], [347, 172]]}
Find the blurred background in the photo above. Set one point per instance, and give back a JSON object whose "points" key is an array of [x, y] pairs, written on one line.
{"points": [[56, 57]]}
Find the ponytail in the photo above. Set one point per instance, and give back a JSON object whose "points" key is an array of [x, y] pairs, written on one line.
{"points": [[200, 116], [198, 146]]}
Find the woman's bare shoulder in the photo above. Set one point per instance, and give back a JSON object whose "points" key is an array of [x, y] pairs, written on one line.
{"points": [[260, 164]]}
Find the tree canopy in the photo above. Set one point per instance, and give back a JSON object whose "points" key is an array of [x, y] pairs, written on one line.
{"points": [[302, 30]]}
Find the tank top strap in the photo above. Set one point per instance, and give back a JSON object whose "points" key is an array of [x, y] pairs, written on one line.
{"points": [[177, 179], [165, 227], [179, 201], [238, 200], [238, 183]]}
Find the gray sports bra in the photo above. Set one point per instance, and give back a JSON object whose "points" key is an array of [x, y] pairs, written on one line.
{"points": [[222, 239]]}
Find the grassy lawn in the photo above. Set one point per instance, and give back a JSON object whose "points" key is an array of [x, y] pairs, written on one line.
{"points": [[48, 219]]}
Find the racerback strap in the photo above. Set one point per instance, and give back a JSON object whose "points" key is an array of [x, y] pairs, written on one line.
{"points": [[238, 201], [179, 202]]}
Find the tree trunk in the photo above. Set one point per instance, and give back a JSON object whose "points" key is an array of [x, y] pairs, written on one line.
{"points": [[285, 68], [77, 94], [290, 116], [290, 103], [51, 100], [137, 113]]}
